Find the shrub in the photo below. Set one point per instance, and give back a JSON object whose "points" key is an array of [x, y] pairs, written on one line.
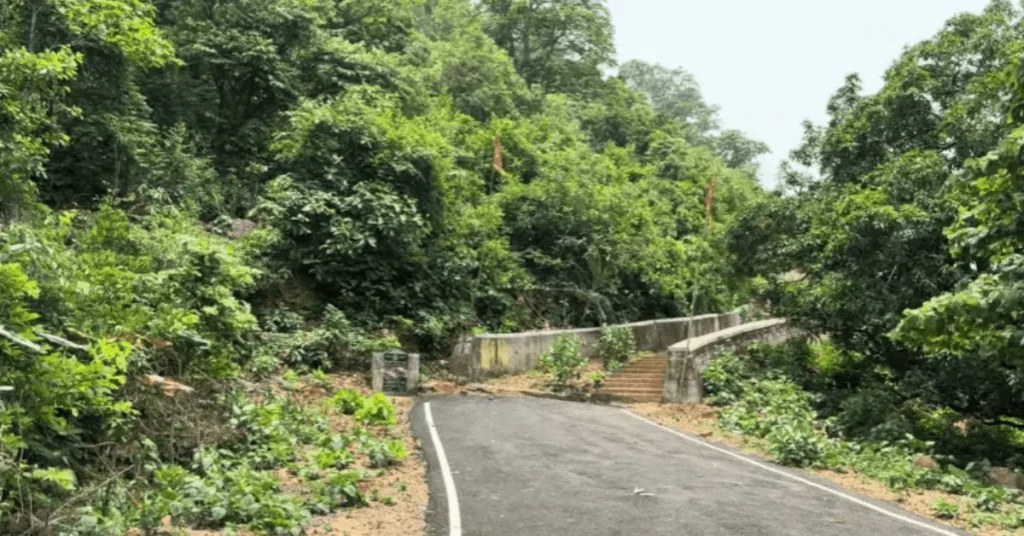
{"points": [[797, 444], [872, 413], [376, 409], [338, 490], [564, 361], [384, 453], [774, 409], [347, 401], [724, 379], [615, 346], [335, 343], [946, 510], [224, 494], [329, 458]]}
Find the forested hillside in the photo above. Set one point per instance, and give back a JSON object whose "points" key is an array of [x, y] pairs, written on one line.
{"points": [[211, 191], [227, 194]]}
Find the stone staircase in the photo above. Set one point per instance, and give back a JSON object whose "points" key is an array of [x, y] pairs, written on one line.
{"points": [[640, 381]]}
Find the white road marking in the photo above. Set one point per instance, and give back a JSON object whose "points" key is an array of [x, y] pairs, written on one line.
{"points": [[796, 478], [454, 516]]}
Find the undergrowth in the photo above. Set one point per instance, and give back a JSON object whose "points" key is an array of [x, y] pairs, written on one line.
{"points": [[234, 483], [762, 395]]}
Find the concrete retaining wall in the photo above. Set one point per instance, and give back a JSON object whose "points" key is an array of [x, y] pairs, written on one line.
{"points": [[684, 380], [515, 353]]}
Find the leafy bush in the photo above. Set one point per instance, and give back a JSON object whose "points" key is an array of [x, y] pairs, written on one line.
{"points": [[329, 458], [564, 361], [224, 494], [377, 410], [338, 490], [332, 344], [270, 429], [872, 413], [777, 410], [724, 378], [945, 509], [616, 346], [347, 401], [384, 453], [798, 444]]}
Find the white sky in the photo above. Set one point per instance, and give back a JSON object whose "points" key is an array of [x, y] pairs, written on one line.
{"points": [[772, 64]]}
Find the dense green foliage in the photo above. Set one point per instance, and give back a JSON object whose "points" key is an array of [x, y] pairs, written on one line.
{"points": [[898, 235], [213, 191], [206, 193], [775, 394]]}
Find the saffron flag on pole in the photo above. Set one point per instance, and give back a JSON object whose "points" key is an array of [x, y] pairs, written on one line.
{"points": [[498, 164]]}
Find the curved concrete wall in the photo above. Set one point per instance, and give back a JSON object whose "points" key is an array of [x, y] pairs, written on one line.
{"points": [[515, 353], [684, 380]]}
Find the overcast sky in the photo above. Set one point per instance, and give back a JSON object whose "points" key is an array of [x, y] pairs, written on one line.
{"points": [[772, 64]]}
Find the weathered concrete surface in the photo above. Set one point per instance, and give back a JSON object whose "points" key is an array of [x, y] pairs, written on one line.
{"points": [[529, 467], [515, 353], [411, 373], [684, 380]]}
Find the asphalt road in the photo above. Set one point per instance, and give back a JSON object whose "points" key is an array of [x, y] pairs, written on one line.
{"points": [[522, 466]]}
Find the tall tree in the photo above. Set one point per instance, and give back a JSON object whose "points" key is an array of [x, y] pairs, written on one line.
{"points": [[560, 45], [980, 323], [676, 95], [78, 106]]}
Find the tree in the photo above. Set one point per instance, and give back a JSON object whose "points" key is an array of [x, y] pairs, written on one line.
{"points": [[738, 151], [559, 45], [206, 190], [980, 321], [676, 95], [892, 223], [48, 83]]}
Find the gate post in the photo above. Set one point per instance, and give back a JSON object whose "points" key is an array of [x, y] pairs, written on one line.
{"points": [[412, 374], [377, 371]]}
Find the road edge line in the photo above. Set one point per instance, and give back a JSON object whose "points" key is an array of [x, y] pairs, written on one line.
{"points": [[454, 516], [791, 476]]}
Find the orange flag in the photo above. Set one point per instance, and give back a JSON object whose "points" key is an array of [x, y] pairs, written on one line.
{"points": [[497, 164]]}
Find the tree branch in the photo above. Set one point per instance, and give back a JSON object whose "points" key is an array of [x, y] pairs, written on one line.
{"points": [[60, 341], [20, 341]]}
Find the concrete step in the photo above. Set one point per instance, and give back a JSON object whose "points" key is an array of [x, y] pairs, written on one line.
{"points": [[638, 399], [642, 366], [628, 373], [634, 396], [631, 392], [646, 384], [641, 381], [635, 377], [643, 389], [646, 364], [642, 371]]}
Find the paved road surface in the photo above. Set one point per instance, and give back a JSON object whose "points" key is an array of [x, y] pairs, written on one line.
{"points": [[530, 467]]}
